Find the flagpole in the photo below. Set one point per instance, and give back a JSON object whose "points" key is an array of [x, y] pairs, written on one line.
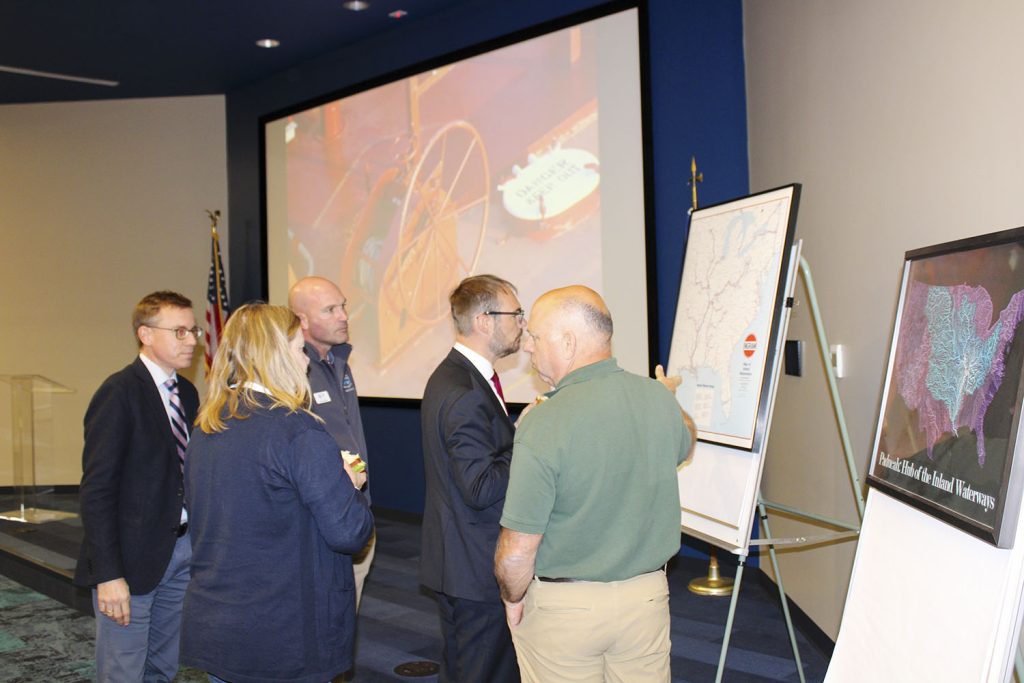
{"points": [[216, 298], [714, 584], [214, 217]]}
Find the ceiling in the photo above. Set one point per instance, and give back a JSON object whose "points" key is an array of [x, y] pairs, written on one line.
{"points": [[187, 47]]}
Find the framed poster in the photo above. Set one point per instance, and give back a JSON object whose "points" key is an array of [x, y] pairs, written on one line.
{"points": [[947, 437], [724, 337]]}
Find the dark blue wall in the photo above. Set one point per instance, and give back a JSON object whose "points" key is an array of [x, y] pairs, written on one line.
{"points": [[697, 108]]}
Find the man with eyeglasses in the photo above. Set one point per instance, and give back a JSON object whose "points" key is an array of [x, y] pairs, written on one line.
{"points": [[136, 551], [467, 449]]}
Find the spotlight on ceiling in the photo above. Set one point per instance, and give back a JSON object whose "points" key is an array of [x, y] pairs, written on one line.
{"points": [[268, 42], [397, 14], [356, 5]]}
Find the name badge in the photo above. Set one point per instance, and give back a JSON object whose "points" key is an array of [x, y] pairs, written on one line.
{"points": [[321, 397]]}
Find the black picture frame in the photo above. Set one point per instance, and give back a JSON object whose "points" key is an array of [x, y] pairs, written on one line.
{"points": [[755, 339], [947, 440]]}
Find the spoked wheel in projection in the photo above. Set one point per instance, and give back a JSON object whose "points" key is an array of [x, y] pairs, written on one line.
{"points": [[443, 220]]}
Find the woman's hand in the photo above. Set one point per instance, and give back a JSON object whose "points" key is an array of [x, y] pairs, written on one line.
{"points": [[358, 477]]}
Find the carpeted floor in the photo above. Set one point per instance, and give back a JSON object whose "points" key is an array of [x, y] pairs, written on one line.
{"points": [[43, 640]]}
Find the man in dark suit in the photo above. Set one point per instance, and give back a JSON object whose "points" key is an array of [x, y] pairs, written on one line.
{"points": [[467, 448], [136, 551]]}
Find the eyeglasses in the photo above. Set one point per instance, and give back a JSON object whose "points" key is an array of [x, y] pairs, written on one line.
{"points": [[518, 313], [181, 332]]}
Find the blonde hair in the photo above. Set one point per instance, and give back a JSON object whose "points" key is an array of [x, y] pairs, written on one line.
{"points": [[254, 349]]}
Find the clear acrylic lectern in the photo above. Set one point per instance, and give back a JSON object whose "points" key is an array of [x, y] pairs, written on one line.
{"points": [[31, 421]]}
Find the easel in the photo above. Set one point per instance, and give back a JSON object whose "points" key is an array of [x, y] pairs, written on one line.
{"points": [[850, 530], [741, 545]]}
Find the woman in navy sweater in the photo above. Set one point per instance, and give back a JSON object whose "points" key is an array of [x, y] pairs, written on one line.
{"points": [[275, 515]]}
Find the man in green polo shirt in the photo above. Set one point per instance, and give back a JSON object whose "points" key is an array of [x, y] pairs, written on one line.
{"points": [[592, 510]]}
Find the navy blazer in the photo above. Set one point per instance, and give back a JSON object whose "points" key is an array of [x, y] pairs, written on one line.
{"points": [[467, 451], [132, 488]]}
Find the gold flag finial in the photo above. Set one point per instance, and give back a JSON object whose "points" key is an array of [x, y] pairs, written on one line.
{"points": [[214, 217], [692, 182]]}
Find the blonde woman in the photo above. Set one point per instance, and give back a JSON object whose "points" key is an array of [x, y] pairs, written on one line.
{"points": [[274, 513]]}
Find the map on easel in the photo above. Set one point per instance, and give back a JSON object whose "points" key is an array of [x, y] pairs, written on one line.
{"points": [[726, 346], [735, 261]]}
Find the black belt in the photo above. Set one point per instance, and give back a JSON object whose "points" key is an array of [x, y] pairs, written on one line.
{"points": [[562, 579], [181, 530]]}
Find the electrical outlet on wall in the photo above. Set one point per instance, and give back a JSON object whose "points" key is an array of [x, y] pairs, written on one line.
{"points": [[838, 352]]}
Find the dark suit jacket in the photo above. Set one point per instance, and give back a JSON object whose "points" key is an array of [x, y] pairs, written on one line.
{"points": [[467, 450], [132, 490]]}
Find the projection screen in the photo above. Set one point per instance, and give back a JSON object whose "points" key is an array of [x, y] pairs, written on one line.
{"points": [[525, 161]]}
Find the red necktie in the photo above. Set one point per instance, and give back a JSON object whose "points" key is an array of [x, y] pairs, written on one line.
{"points": [[497, 386]]}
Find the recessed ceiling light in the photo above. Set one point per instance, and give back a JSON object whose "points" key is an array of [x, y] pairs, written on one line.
{"points": [[397, 14], [356, 5], [268, 42]]}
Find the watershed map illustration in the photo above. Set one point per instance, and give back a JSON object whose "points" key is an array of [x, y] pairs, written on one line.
{"points": [[725, 312], [951, 358], [946, 433]]}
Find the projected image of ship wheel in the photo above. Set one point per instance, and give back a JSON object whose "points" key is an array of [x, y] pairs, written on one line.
{"points": [[442, 225]]}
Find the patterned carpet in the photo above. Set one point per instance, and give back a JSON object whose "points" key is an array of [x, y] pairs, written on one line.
{"points": [[43, 640]]}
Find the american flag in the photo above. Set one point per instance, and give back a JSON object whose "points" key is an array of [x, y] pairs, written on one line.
{"points": [[216, 301]]}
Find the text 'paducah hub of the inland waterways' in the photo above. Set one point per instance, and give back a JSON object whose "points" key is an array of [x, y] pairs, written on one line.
{"points": [[939, 480]]}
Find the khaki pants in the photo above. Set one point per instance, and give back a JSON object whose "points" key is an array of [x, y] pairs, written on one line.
{"points": [[361, 562], [591, 631]]}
